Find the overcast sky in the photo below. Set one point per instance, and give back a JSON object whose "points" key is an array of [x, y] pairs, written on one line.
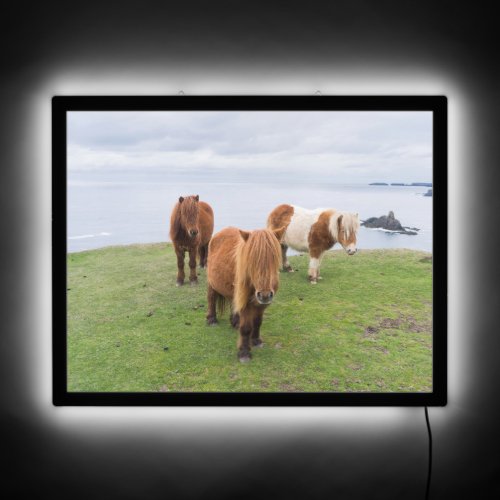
{"points": [[343, 146]]}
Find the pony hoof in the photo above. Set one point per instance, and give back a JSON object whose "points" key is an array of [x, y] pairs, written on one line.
{"points": [[314, 282], [179, 283], [258, 343], [193, 282], [212, 322], [244, 356]]}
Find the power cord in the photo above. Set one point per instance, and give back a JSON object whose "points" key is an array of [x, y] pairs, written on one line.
{"points": [[429, 470]]}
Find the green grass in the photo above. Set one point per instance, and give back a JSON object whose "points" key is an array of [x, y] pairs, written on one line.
{"points": [[365, 327]]}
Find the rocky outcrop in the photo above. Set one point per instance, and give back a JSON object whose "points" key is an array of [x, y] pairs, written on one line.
{"points": [[389, 223]]}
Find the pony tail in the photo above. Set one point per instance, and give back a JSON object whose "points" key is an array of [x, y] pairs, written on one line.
{"points": [[220, 303]]}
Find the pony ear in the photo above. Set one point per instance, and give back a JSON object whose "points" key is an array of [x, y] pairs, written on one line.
{"points": [[181, 199], [197, 197], [245, 234], [279, 233]]}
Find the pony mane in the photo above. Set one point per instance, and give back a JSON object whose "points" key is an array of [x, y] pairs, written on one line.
{"points": [[257, 264], [185, 210], [188, 208], [350, 223]]}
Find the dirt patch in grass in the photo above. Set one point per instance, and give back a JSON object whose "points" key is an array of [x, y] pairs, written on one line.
{"points": [[370, 330], [417, 327], [391, 323], [355, 366], [288, 388], [405, 323]]}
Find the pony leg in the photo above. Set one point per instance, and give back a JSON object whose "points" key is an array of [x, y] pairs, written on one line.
{"points": [[286, 265], [203, 255], [180, 266], [211, 298], [193, 278], [257, 321], [246, 326], [235, 320], [313, 272], [319, 265]]}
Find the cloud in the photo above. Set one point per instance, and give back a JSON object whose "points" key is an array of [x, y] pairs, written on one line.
{"points": [[395, 145]]}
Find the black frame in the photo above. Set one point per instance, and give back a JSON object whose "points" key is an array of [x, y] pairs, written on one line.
{"points": [[436, 104]]}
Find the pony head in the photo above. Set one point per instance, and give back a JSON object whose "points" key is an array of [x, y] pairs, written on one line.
{"points": [[189, 211], [257, 266], [344, 226]]}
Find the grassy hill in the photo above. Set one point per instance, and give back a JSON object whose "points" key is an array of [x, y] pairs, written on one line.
{"points": [[365, 327]]}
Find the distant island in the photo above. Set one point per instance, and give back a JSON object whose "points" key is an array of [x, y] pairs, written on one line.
{"points": [[418, 184], [389, 223]]}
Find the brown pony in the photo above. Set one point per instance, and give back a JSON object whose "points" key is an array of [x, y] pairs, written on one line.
{"points": [[243, 268], [314, 231], [191, 227]]}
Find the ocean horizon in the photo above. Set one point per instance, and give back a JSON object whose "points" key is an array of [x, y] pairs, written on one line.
{"points": [[134, 206]]}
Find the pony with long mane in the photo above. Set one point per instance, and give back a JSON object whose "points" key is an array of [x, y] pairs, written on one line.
{"points": [[314, 231], [243, 270], [191, 227]]}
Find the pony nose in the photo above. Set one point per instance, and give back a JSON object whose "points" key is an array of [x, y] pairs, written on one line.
{"points": [[352, 251], [265, 297], [193, 232]]}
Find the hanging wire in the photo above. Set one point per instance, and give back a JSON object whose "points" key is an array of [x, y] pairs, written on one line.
{"points": [[429, 470]]}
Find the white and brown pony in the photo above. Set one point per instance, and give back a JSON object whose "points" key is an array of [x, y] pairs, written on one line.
{"points": [[243, 269], [314, 231], [191, 227]]}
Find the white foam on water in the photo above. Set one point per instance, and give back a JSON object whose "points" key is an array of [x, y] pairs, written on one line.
{"points": [[385, 230], [83, 236]]}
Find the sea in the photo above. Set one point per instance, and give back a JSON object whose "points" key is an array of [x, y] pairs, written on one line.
{"points": [[133, 206]]}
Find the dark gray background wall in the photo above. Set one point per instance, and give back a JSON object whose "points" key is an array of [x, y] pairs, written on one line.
{"points": [[337, 47]]}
